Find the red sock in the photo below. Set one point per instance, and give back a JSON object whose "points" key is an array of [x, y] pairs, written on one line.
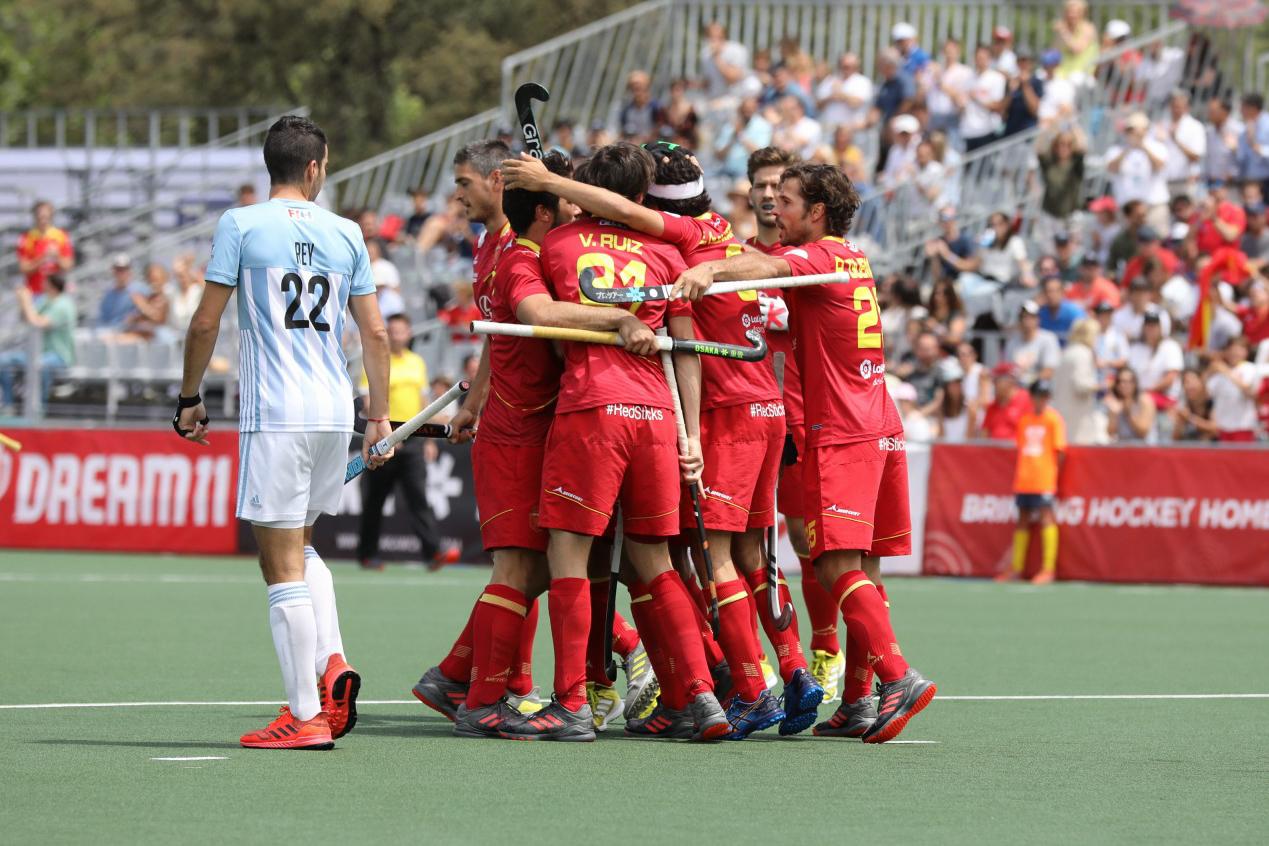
{"points": [[596, 660], [672, 608], [864, 611], [881, 589], [521, 680], [456, 666], [713, 653], [820, 609], [787, 643], [857, 680], [625, 637], [654, 643], [569, 602], [497, 624], [698, 595], [739, 638]]}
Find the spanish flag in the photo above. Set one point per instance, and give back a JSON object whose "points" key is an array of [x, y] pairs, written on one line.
{"points": [[1228, 264]]}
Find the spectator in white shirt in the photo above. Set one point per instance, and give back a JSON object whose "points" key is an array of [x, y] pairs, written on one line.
{"points": [[901, 158], [1233, 383], [796, 131], [1003, 58], [845, 98], [1111, 346], [1157, 360], [1034, 351], [1185, 140], [387, 281], [1057, 106], [1137, 171], [981, 102], [947, 81], [724, 64], [1130, 316], [1223, 130]]}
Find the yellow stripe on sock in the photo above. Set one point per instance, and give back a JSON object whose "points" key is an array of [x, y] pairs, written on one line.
{"points": [[735, 597], [503, 602], [635, 600], [856, 586]]}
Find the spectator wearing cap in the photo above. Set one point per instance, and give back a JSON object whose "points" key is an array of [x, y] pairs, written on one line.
{"points": [[1255, 241], [1104, 229], [1130, 412], [955, 412], [1076, 384], [1252, 156], [117, 305], [1066, 256], [1033, 351], [904, 38], [1057, 106], [1010, 403], [1192, 415], [845, 98], [1149, 248], [897, 89], [1223, 131], [917, 428], [641, 115], [1233, 383], [981, 103], [946, 82], [1136, 165], [1077, 42], [1057, 313], [1111, 347], [1041, 443], [1119, 77], [900, 166], [1062, 173], [1091, 288], [1185, 140], [1003, 58], [1126, 241], [1129, 316], [748, 131], [1157, 360], [1023, 92]]}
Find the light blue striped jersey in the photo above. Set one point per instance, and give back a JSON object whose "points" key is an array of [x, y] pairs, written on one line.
{"points": [[295, 265]]}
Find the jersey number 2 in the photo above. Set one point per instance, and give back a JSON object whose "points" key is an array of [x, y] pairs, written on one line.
{"points": [[869, 316], [293, 281]]}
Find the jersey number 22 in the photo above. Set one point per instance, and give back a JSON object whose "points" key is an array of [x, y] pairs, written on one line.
{"points": [[293, 284]]}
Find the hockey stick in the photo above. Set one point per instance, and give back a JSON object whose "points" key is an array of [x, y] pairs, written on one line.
{"points": [[10, 443], [618, 296], [610, 613], [525, 95], [738, 352], [667, 363], [358, 465], [781, 616], [434, 431]]}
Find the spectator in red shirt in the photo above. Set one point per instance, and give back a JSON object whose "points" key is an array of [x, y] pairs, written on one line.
{"points": [[1149, 247], [1220, 222], [1255, 315], [461, 312], [1091, 288], [44, 249], [1000, 422]]}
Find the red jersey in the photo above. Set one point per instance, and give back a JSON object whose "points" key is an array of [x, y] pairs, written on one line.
{"points": [[837, 341], [488, 250], [725, 317], [595, 374], [524, 373], [1000, 422], [48, 247], [783, 342]]}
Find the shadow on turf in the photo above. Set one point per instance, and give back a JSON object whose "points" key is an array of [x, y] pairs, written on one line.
{"points": [[142, 744]]}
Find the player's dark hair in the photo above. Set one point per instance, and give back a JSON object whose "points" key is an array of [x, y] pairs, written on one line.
{"points": [[674, 166], [484, 157], [292, 143], [622, 168], [823, 183], [770, 157], [520, 205]]}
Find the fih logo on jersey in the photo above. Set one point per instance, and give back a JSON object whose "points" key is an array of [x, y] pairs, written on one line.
{"points": [[486, 306], [300, 214]]}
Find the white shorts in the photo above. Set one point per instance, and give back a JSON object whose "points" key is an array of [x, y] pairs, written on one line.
{"points": [[286, 479]]}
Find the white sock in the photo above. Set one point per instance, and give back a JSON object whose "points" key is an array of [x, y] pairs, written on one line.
{"points": [[322, 588], [295, 640]]}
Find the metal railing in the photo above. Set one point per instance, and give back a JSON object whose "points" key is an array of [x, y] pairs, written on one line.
{"points": [[153, 128]]}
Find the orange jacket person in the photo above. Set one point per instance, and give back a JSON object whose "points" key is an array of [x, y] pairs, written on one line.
{"points": [[1041, 449]]}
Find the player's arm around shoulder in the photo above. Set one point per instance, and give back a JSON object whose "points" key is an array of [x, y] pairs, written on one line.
{"points": [[751, 264], [530, 174]]}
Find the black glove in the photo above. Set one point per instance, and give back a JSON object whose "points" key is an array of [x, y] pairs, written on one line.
{"points": [[183, 403]]}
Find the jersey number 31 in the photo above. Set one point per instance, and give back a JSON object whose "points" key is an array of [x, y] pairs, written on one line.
{"points": [[292, 283]]}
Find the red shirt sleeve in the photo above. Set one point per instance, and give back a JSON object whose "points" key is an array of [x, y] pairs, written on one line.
{"points": [[524, 280], [683, 232], [806, 260]]}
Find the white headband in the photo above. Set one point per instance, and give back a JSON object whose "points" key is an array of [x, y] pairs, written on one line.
{"points": [[686, 191]]}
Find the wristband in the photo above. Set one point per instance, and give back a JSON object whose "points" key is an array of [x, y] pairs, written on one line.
{"points": [[183, 403], [188, 402]]}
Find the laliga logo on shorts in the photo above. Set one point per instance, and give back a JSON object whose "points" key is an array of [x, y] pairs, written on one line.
{"points": [[486, 306], [6, 472]]}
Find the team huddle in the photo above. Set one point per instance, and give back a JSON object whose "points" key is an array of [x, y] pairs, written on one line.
{"points": [[596, 462]]}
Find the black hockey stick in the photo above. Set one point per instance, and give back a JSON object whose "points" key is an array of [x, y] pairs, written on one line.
{"points": [[694, 489], [781, 616], [610, 613], [525, 95]]}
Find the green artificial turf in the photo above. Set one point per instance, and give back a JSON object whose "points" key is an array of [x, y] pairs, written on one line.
{"points": [[110, 628]]}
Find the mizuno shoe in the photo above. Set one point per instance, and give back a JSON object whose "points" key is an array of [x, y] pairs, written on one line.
{"points": [[802, 698], [749, 717]]}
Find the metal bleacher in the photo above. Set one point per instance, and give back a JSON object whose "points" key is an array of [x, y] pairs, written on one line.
{"points": [[586, 70]]}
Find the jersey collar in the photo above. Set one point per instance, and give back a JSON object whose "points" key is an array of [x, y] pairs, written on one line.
{"points": [[532, 245]]}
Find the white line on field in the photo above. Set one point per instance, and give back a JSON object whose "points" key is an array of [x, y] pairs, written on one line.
{"points": [[179, 579], [911, 742], [194, 758], [1024, 698]]}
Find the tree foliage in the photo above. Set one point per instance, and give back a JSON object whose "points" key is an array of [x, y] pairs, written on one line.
{"points": [[374, 72]]}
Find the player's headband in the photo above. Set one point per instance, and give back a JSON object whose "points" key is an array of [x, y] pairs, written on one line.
{"points": [[686, 191]]}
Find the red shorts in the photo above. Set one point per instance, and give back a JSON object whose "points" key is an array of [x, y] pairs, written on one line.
{"points": [[508, 486], [597, 456], [857, 498], [742, 446], [792, 479]]}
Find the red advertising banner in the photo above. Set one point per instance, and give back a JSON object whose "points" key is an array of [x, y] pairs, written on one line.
{"points": [[1125, 514], [112, 489]]}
